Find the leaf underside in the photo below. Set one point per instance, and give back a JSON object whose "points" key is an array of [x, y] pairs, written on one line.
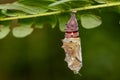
{"points": [[4, 31], [89, 21], [21, 32]]}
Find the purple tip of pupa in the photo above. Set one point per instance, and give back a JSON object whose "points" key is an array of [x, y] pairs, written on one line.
{"points": [[72, 24]]}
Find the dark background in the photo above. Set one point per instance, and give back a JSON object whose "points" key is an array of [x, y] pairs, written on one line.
{"points": [[40, 56]]}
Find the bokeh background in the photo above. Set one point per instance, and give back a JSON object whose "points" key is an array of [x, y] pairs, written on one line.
{"points": [[40, 56]]}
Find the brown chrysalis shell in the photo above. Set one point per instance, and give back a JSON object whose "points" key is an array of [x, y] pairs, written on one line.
{"points": [[72, 46]]}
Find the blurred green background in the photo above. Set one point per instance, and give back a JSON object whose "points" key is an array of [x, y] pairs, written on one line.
{"points": [[40, 56]]}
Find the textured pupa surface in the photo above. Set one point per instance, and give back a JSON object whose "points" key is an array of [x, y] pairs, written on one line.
{"points": [[73, 57]]}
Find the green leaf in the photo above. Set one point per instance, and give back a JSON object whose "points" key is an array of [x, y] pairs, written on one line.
{"points": [[59, 2], [22, 7], [26, 22], [37, 3], [89, 21], [23, 29], [2, 15], [100, 1], [4, 30], [12, 13], [68, 4], [79, 3], [41, 21], [21, 32], [63, 19]]}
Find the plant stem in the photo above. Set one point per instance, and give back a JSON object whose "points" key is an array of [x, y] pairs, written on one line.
{"points": [[58, 12]]}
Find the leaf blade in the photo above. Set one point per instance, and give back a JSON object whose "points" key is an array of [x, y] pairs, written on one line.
{"points": [[41, 21], [63, 19], [90, 21], [23, 29], [22, 7], [21, 32], [59, 2], [4, 31]]}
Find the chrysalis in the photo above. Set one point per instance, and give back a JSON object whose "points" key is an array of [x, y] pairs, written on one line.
{"points": [[72, 46]]}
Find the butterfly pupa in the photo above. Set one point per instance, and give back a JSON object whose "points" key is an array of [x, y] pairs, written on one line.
{"points": [[72, 46]]}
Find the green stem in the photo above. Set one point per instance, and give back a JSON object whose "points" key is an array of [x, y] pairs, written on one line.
{"points": [[58, 12]]}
